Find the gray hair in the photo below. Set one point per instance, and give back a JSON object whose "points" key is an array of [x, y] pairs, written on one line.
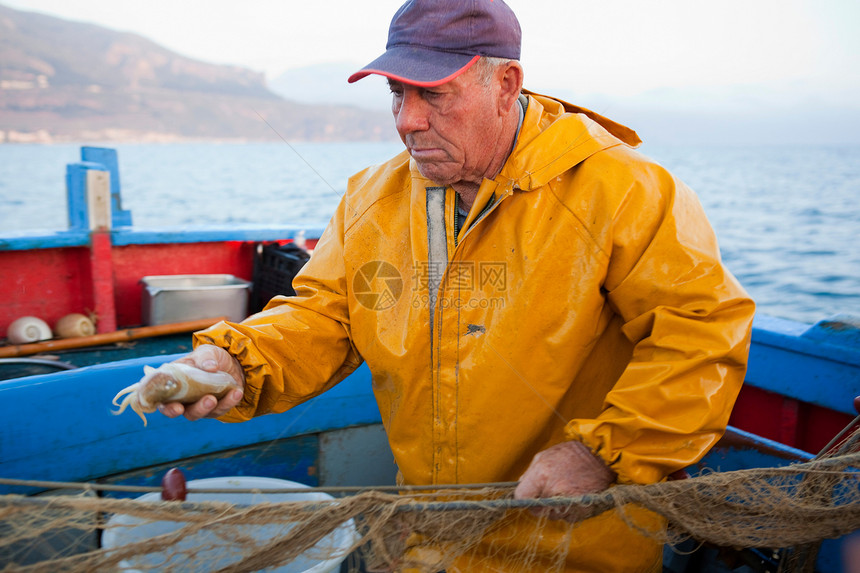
{"points": [[487, 66]]}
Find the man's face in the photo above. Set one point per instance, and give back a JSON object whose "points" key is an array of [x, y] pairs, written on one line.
{"points": [[451, 131]]}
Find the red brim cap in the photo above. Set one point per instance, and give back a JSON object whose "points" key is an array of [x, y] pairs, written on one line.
{"points": [[417, 66], [431, 42]]}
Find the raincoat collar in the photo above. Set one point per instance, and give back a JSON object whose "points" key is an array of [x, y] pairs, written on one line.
{"points": [[556, 136]]}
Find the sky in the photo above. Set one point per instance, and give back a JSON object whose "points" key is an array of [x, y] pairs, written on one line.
{"points": [[767, 54]]}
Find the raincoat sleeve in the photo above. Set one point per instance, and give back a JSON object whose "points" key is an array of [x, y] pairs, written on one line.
{"points": [[297, 347], [689, 322]]}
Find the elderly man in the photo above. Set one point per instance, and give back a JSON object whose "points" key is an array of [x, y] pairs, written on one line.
{"points": [[554, 310]]}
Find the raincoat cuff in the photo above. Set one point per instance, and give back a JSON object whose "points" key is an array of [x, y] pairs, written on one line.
{"points": [[597, 448], [223, 335]]}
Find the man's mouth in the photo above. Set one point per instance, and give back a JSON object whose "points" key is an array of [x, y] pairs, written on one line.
{"points": [[424, 153], [427, 153]]}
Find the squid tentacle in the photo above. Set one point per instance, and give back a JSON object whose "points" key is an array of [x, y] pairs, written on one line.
{"points": [[171, 381]]}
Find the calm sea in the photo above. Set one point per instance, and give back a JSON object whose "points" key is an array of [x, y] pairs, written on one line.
{"points": [[788, 218]]}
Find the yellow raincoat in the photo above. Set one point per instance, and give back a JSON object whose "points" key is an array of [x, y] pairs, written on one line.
{"points": [[583, 298]]}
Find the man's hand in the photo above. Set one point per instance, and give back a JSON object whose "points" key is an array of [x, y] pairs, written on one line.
{"points": [[212, 359], [565, 469]]}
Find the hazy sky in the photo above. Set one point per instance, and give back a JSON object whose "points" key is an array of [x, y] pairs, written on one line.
{"points": [[621, 48]]}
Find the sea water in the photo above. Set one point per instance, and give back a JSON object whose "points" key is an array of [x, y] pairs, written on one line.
{"points": [[787, 218]]}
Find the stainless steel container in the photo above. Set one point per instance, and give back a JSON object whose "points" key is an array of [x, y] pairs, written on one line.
{"points": [[176, 298]]}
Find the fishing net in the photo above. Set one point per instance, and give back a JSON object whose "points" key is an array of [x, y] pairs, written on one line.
{"points": [[792, 506]]}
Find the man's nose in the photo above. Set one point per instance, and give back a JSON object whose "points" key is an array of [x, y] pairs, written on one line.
{"points": [[411, 112]]}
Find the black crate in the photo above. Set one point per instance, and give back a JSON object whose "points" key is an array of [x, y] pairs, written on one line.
{"points": [[275, 266]]}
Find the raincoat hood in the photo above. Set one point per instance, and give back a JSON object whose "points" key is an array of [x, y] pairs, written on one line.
{"points": [[567, 134]]}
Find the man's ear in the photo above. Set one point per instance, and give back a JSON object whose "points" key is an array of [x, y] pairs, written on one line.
{"points": [[510, 78]]}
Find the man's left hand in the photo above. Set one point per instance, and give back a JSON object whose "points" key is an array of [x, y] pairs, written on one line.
{"points": [[565, 469]]}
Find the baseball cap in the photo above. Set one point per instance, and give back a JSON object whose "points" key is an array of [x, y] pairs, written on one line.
{"points": [[431, 42]]}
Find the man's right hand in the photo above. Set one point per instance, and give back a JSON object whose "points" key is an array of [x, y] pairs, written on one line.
{"points": [[211, 359]]}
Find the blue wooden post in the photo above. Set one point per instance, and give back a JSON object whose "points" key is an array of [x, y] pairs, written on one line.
{"points": [[108, 158], [101, 159], [76, 193]]}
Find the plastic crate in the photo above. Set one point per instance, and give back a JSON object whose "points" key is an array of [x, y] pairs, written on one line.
{"points": [[275, 266]]}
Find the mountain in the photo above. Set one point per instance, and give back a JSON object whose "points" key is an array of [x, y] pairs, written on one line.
{"points": [[326, 84], [70, 81]]}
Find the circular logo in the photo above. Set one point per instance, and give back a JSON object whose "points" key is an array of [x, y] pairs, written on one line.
{"points": [[377, 285]]}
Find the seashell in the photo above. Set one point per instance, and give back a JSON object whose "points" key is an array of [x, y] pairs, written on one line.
{"points": [[28, 329], [74, 325]]}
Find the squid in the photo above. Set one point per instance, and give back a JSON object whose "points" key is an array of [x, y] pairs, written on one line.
{"points": [[172, 382]]}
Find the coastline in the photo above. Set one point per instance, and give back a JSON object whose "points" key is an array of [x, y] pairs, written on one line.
{"points": [[114, 136]]}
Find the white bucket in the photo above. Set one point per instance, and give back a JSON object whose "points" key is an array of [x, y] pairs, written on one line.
{"points": [[123, 529]]}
